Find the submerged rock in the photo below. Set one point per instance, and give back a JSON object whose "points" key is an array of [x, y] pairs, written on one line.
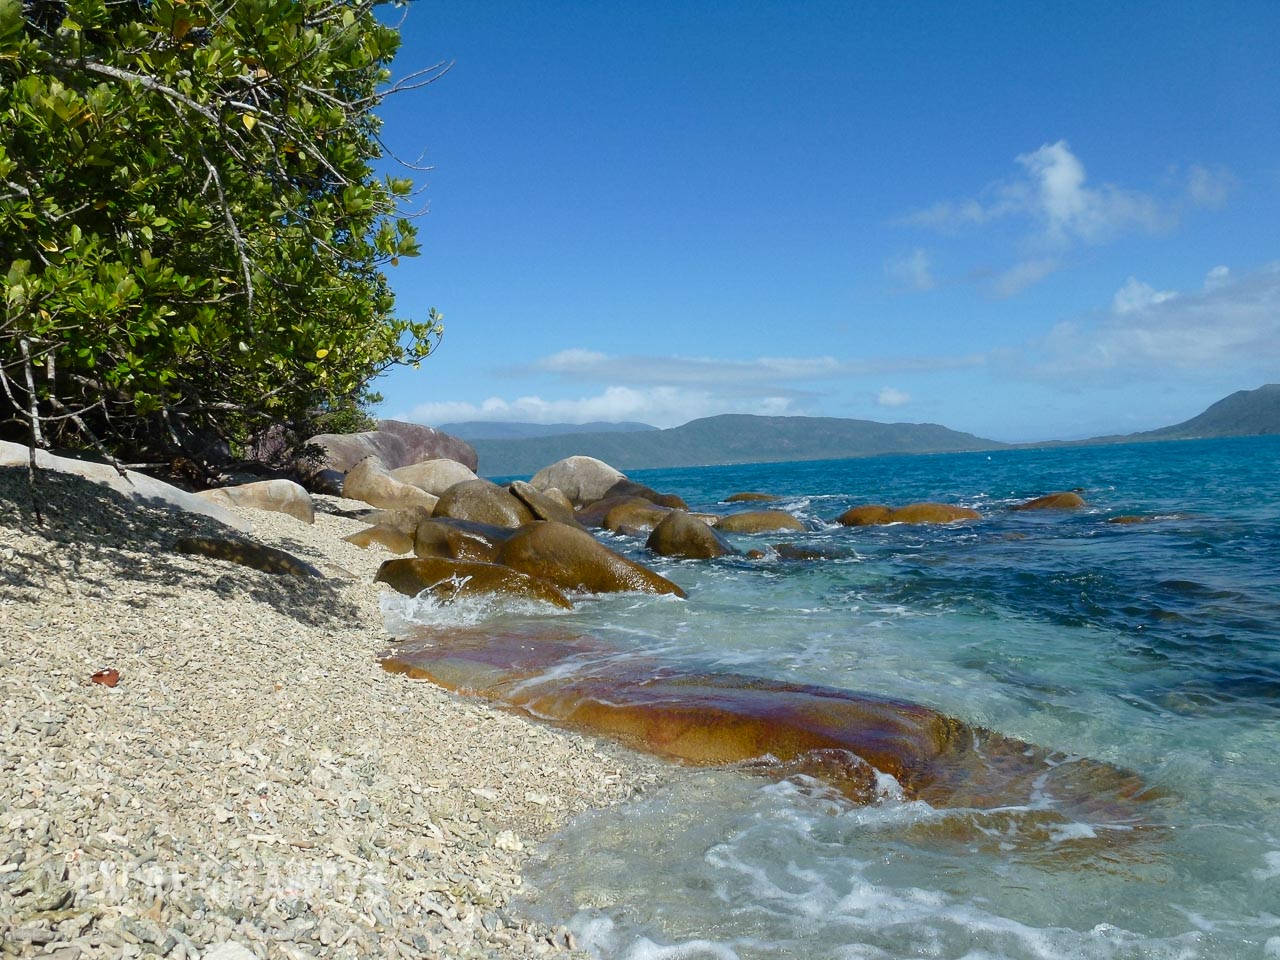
{"points": [[449, 579], [1062, 500], [750, 497], [758, 521], [680, 535], [574, 560]]}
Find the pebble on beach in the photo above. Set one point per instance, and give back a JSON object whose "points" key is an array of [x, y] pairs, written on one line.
{"points": [[255, 785]]}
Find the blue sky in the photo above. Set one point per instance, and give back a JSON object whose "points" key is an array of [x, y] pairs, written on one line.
{"points": [[1026, 221]]}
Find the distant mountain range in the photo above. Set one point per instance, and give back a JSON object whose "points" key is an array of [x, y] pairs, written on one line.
{"points": [[506, 430], [739, 438]]}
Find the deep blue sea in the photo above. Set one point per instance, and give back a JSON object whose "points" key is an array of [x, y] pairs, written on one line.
{"points": [[1152, 646]]}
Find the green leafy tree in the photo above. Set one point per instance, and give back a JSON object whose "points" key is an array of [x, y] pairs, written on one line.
{"points": [[192, 235]]}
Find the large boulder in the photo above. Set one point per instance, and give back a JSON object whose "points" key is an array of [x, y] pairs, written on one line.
{"points": [[634, 513], [593, 514], [758, 521], [629, 488], [278, 496], [434, 476], [388, 537], [932, 513], [484, 502], [582, 479], [1062, 500], [866, 515], [370, 481], [136, 486], [396, 444], [572, 559], [680, 535], [459, 539], [544, 506], [448, 580]]}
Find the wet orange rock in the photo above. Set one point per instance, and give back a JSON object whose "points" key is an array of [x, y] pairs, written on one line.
{"points": [[932, 513], [449, 579], [396, 541], [758, 521], [574, 560], [866, 515], [731, 719], [1062, 500]]}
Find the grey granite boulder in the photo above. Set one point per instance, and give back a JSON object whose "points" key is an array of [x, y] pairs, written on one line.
{"points": [[278, 496], [370, 481], [434, 476], [396, 444], [581, 479]]}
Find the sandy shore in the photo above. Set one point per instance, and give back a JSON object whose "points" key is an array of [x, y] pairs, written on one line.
{"points": [[255, 782]]}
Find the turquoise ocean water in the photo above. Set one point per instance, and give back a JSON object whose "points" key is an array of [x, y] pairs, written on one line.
{"points": [[1154, 646]]}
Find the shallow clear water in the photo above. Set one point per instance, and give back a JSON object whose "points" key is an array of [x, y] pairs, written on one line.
{"points": [[1153, 646]]}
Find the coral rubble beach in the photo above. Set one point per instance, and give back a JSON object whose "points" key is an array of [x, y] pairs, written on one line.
{"points": [[255, 784]]}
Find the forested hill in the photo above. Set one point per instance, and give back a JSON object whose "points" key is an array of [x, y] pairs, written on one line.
{"points": [[731, 438], [1245, 413]]}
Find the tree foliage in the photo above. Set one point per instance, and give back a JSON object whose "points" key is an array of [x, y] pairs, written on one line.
{"points": [[192, 237]]}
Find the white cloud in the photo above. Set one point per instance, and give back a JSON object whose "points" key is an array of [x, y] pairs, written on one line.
{"points": [[1023, 275], [1209, 188], [771, 376], [1136, 296], [912, 270], [660, 406], [1217, 277], [1231, 327], [1054, 194], [891, 397]]}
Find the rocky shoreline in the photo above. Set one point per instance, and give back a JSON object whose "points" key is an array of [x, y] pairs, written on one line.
{"points": [[255, 785]]}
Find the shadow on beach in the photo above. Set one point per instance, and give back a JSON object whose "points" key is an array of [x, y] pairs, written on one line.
{"points": [[96, 542]]}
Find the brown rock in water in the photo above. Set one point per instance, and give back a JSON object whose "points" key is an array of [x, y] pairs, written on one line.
{"points": [[680, 535], [758, 521], [932, 513], [544, 506], [866, 515], [582, 479], [449, 579], [635, 513], [730, 718], [629, 488], [593, 514], [278, 496], [247, 554], [434, 476], [397, 541], [484, 502], [459, 539], [748, 497], [1063, 500], [572, 559], [1131, 519], [370, 481], [792, 551]]}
